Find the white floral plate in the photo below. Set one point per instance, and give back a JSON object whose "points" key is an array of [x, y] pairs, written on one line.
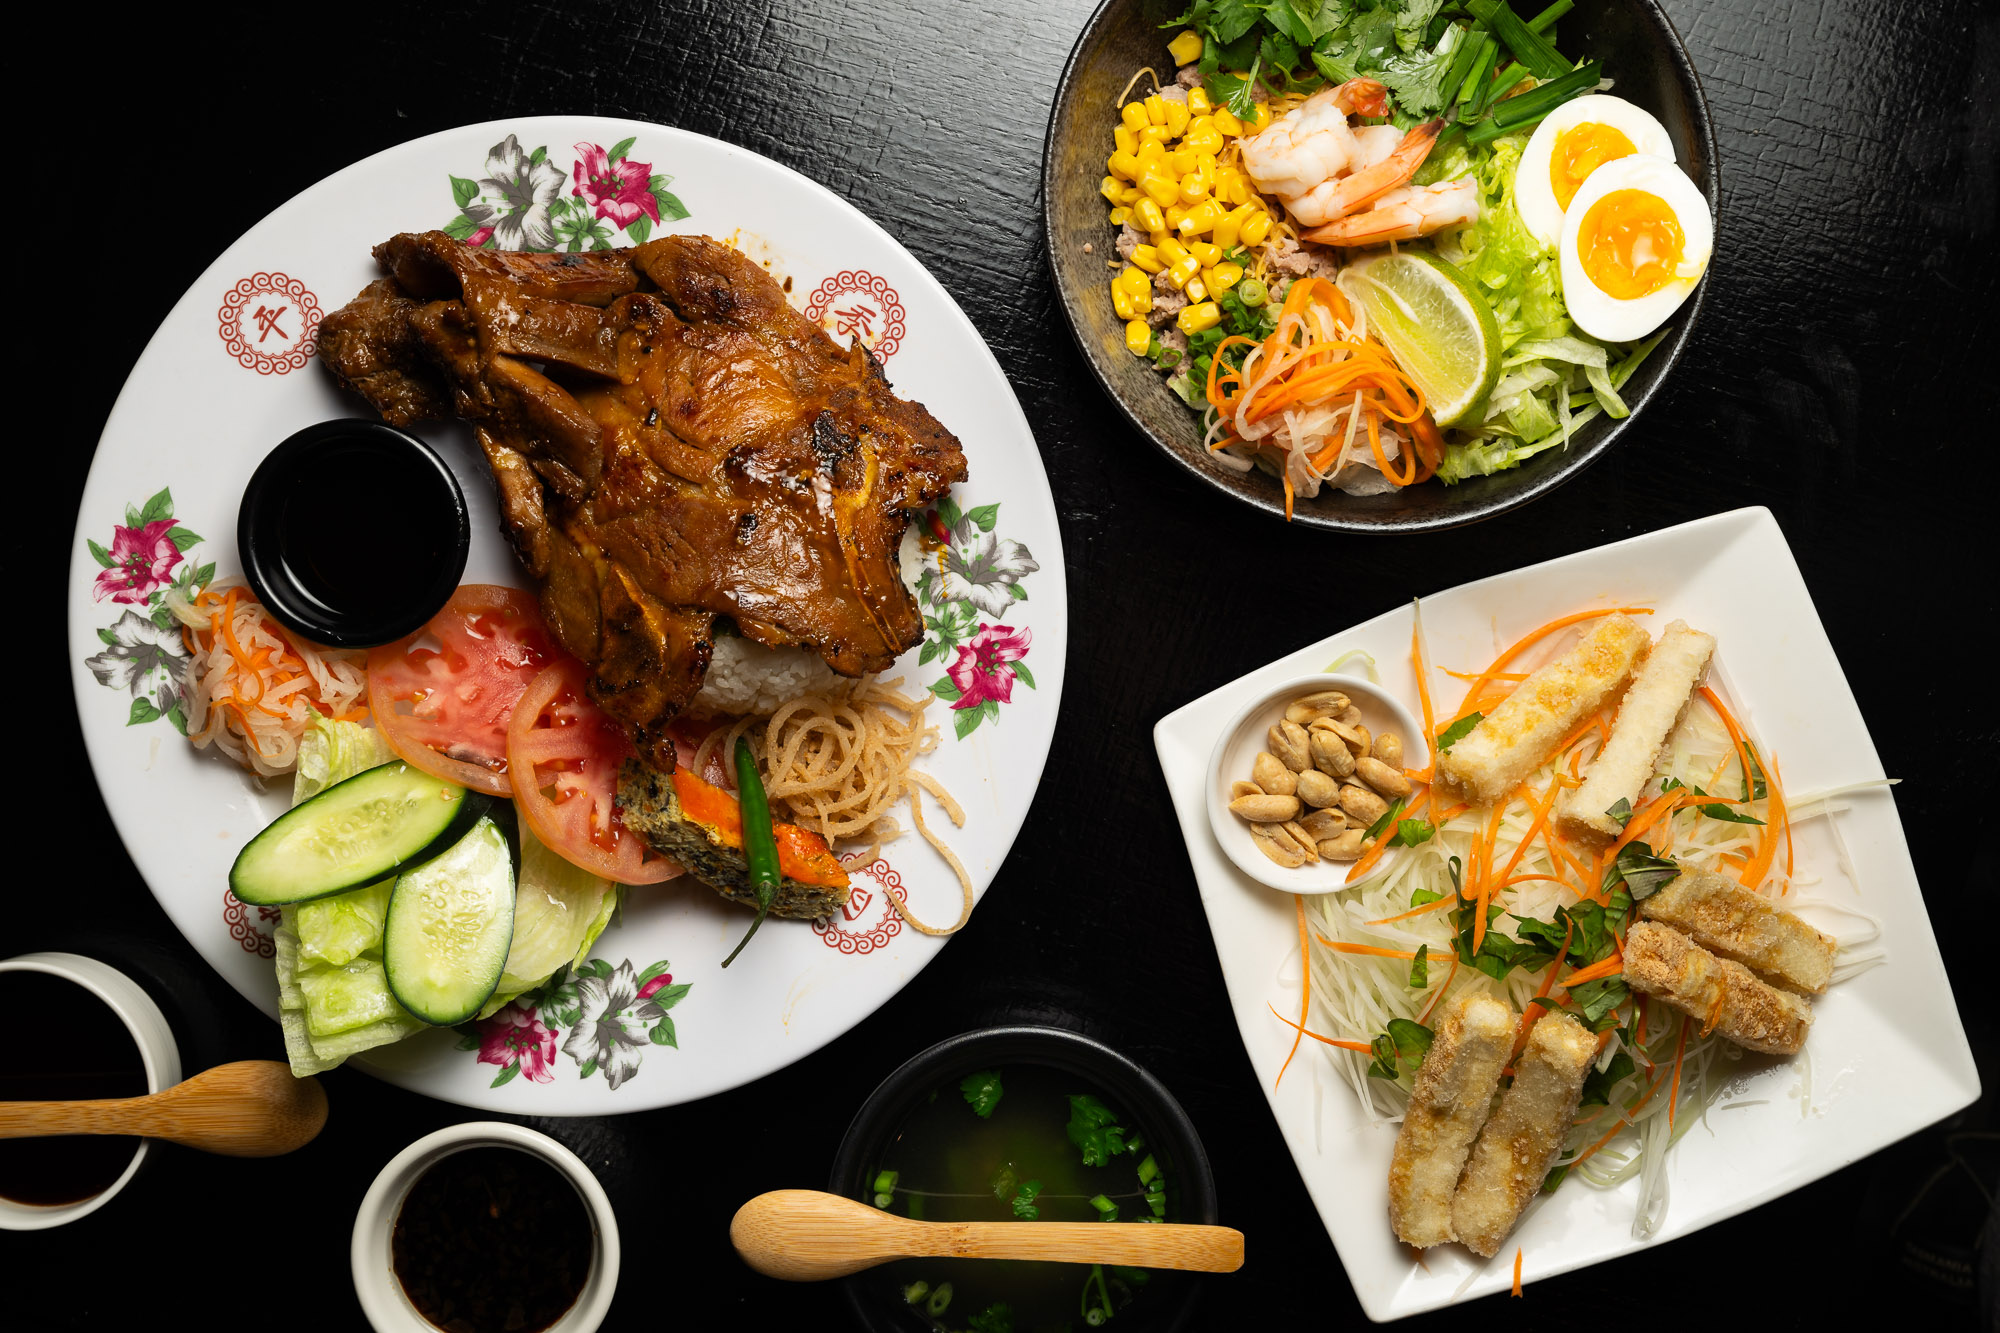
{"points": [[1887, 1055], [230, 374]]}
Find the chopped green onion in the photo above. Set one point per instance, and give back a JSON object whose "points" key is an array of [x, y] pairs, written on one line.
{"points": [[885, 1181], [1529, 47], [1545, 20], [940, 1300], [1507, 78], [1148, 1169], [1526, 111], [1462, 58], [1252, 292], [1107, 1210], [1482, 62], [884, 1200], [915, 1292]]}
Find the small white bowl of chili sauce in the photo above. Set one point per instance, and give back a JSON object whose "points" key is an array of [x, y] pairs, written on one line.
{"points": [[113, 1041], [485, 1225]]}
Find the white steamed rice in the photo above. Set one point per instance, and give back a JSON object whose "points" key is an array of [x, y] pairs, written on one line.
{"points": [[748, 678]]}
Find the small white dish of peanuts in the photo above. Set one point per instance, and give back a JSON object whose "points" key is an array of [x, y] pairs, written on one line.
{"points": [[1301, 773]]}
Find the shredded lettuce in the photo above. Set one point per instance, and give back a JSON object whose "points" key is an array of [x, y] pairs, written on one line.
{"points": [[559, 911]]}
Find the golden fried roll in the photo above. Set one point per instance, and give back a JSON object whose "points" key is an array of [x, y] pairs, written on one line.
{"points": [[1725, 918], [1646, 716], [1512, 741], [1524, 1135], [1448, 1104], [1717, 993]]}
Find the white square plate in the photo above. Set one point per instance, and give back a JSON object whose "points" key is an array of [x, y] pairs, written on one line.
{"points": [[1888, 1055]]}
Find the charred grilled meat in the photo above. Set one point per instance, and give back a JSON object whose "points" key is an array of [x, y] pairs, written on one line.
{"points": [[672, 442]]}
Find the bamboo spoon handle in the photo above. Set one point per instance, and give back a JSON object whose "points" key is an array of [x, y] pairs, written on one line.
{"points": [[113, 1115], [252, 1108], [808, 1236]]}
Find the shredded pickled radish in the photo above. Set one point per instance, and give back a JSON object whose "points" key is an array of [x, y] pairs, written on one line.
{"points": [[251, 687]]}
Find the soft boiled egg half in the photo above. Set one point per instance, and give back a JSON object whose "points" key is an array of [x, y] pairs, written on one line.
{"points": [[1635, 241], [1572, 142]]}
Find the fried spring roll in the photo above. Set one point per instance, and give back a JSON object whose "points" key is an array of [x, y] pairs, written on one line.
{"points": [[1725, 918], [1512, 741], [1722, 995], [1448, 1104], [1524, 1135], [1646, 716]]}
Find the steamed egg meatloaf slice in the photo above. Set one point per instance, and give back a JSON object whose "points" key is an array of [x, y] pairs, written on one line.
{"points": [[1647, 715], [1524, 1135], [1453, 1088], [1727, 919], [1511, 742], [1721, 995]]}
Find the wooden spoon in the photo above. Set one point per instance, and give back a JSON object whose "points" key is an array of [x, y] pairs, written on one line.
{"points": [[809, 1236], [252, 1108]]}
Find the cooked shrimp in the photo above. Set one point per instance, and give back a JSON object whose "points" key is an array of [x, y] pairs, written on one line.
{"points": [[1404, 215], [1322, 167]]}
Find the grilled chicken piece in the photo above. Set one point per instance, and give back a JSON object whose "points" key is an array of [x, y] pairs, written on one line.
{"points": [[671, 441]]}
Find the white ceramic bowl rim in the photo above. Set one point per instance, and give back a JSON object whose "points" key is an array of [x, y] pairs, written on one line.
{"points": [[158, 1054], [375, 1281], [1230, 832]]}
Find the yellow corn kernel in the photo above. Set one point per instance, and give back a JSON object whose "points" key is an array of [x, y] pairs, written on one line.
{"points": [[1183, 160], [1256, 227], [1200, 219], [1208, 139], [1198, 103], [1147, 259], [1154, 134], [1263, 117], [1126, 138], [1151, 157], [1177, 118], [1138, 337], [1133, 115], [1135, 281], [1142, 300], [1130, 195], [1158, 239], [1186, 48], [1147, 214], [1179, 274], [1123, 165], [1156, 109], [1170, 250], [1110, 187], [1206, 161], [1196, 289], [1120, 216], [1223, 276], [1199, 317], [1121, 301], [1209, 255], [1161, 188], [1194, 189], [1229, 229], [1233, 188], [1175, 216], [1226, 123]]}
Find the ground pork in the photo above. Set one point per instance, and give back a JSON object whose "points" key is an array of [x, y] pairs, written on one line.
{"points": [[1130, 238], [1293, 260]]}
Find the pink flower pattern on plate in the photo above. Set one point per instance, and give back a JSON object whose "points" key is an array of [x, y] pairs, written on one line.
{"points": [[517, 1036], [980, 670], [620, 191], [142, 562]]}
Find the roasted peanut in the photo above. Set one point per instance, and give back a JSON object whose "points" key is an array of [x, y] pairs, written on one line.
{"points": [[1302, 842], [1327, 703], [1364, 807], [1317, 789], [1288, 743], [1237, 789], [1272, 776], [1351, 715], [1324, 824], [1346, 847], [1388, 781], [1388, 748], [1266, 809], [1285, 854], [1330, 754]]}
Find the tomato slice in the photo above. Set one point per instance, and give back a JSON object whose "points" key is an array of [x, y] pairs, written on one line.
{"points": [[445, 709], [564, 752]]}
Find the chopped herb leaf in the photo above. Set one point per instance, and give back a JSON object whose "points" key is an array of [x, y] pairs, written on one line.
{"points": [[1420, 970], [1419, 897], [995, 1318], [1094, 1129], [1023, 1203], [1597, 1085], [1004, 1182], [1642, 873], [1388, 818], [1458, 730], [1714, 809], [982, 1091], [1620, 812], [1414, 832], [1400, 1049]]}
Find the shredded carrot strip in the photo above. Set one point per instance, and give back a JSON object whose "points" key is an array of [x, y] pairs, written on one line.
{"points": [[1423, 676], [1535, 1009], [1680, 1050], [1474, 675], [1624, 1119], [1446, 901], [1517, 1272], [1374, 854], [1305, 986], [1536, 636], [1482, 852], [1597, 971], [1759, 865], [1342, 946], [1361, 1046], [1547, 804]]}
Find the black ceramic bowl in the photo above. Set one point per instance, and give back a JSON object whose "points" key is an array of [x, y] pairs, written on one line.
{"points": [[1643, 57], [353, 533], [1170, 1136]]}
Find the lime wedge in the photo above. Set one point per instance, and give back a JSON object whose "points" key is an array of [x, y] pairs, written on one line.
{"points": [[1437, 325]]}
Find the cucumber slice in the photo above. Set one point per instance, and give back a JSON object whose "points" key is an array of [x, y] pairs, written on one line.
{"points": [[354, 833], [450, 923]]}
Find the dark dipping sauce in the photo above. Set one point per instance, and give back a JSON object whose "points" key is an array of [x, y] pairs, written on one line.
{"points": [[89, 1056], [492, 1240], [345, 571]]}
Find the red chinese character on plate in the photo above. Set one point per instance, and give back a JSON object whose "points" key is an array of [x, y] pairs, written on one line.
{"points": [[860, 306], [865, 921], [269, 322]]}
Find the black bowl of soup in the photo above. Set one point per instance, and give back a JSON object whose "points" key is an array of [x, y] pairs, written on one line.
{"points": [[1024, 1123]]}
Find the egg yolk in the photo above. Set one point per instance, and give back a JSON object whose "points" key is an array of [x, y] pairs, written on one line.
{"points": [[1580, 150], [1630, 244]]}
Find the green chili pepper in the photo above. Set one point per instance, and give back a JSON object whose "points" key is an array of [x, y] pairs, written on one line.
{"points": [[760, 848]]}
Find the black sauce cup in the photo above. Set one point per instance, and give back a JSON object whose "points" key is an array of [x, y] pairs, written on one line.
{"points": [[1171, 1297], [353, 533]]}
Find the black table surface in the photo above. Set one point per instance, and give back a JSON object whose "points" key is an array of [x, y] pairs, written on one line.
{"points": [[1837, 376]]}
